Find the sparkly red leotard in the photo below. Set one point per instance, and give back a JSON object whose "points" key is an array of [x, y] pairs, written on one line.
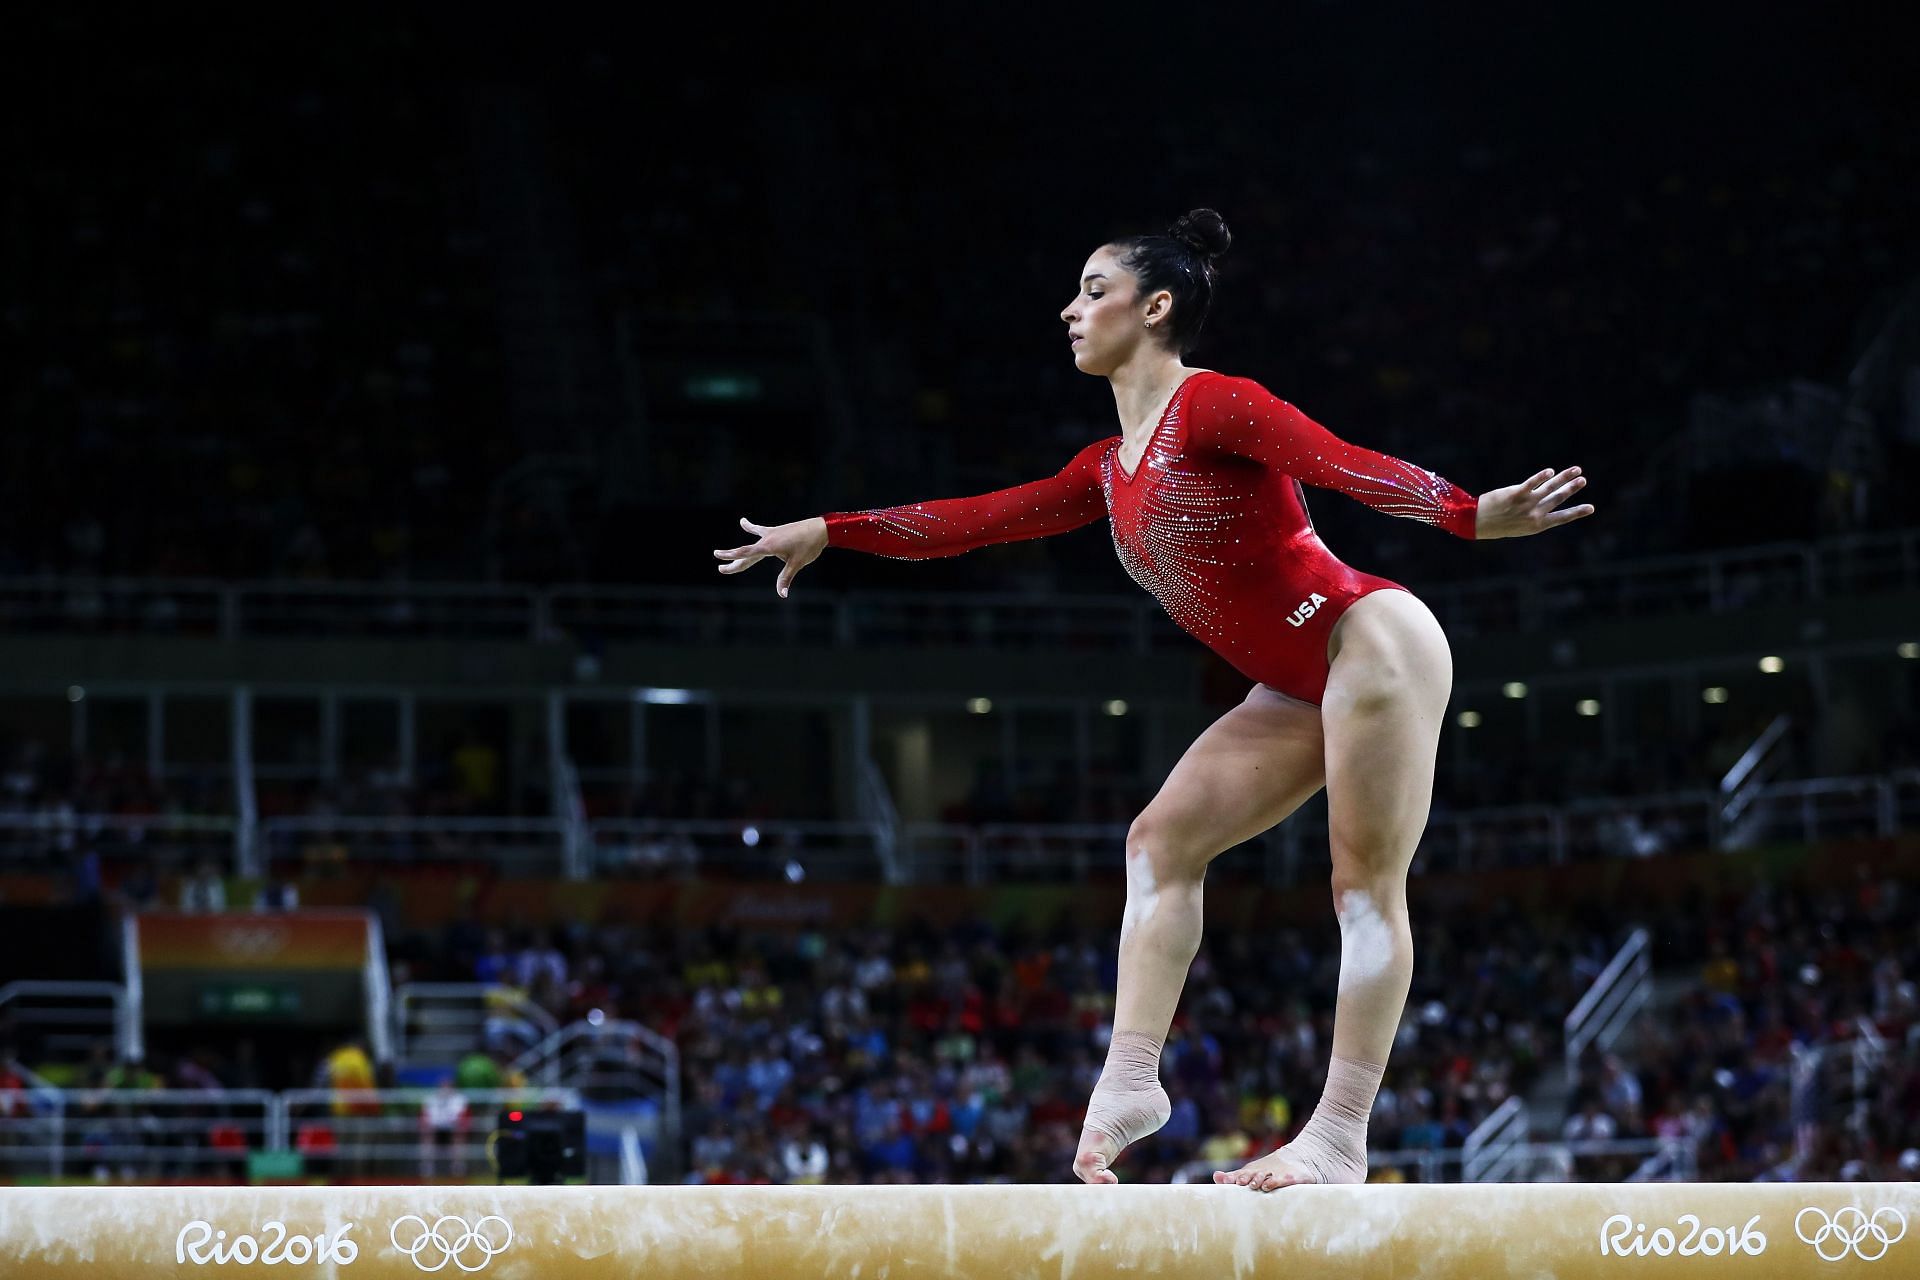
{"points": [[1213, 522]]}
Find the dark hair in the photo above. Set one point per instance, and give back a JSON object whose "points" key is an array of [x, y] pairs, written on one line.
{"points": [[1181, 262]]}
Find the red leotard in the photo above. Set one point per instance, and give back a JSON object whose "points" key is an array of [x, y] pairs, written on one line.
{"points": [[1213, 522]]}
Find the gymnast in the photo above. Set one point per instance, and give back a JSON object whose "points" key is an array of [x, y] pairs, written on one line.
{"points": [[1352, 672]]}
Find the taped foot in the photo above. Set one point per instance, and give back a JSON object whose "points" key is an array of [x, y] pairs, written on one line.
{"points": [[1117, 1119], [1303, 1160]]}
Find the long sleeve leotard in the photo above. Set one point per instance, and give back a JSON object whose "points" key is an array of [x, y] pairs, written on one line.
{"points": [[1213, 522]]}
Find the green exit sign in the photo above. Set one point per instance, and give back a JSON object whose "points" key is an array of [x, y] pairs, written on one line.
{"points": [[722, 387], [249, 1000]]}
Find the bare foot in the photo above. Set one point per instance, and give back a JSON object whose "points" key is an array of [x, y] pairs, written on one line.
{"points": [[1097, 1151], [1286, 1168]]}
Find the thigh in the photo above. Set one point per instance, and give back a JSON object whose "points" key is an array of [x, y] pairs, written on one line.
{"points": [[1387, 692], [1245, 772]]}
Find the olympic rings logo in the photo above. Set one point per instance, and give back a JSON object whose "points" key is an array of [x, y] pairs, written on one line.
{"points": [[432, 1248], [1851, 1231]]}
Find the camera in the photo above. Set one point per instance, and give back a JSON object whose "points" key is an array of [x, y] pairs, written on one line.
{"points": [[544, 1147]]}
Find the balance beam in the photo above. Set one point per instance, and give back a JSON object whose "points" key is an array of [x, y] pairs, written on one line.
{"points": [[997, 1232]]}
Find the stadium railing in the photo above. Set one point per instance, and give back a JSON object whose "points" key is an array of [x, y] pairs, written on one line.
{"points": [[1700, 583], [193, 1135], [1467, 840], [136, 1133]]}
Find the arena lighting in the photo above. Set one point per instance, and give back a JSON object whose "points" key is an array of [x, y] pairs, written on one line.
{"points": [[750, 836], [1469, 720], [979, 706], [1908, 649], [1514, 689], [1772, 665], [1587, 707], [1116, 707], [75, 693], [1715, 694], [669, 696]]}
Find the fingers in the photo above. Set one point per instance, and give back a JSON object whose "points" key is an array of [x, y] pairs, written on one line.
{"points": [[1561, 494], [741, 558], [1537, 479], [1570, 514]]}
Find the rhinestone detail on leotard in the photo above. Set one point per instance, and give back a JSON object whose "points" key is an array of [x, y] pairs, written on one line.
{"points": [[1212, 522]]}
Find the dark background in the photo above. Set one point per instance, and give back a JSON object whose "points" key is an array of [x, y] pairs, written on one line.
{"points": [[293, 293]]}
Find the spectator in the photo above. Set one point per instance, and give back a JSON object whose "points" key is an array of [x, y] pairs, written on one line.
{"points": [[204, 891]]}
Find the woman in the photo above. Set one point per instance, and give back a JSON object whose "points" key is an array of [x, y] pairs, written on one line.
{"points": [[1202, 488]]}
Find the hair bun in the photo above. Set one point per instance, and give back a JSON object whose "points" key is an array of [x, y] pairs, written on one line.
{"points": [[1204, 230]]}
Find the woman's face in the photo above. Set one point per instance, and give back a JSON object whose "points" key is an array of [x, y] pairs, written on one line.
{"points": [[1106, 322]]}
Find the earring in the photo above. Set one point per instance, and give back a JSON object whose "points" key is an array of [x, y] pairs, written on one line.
{"points": [[1149, 324]]}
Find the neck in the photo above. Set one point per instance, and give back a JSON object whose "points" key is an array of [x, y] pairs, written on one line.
{"points": [[1142, 387]]}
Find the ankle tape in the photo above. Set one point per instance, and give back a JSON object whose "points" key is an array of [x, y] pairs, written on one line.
{"points": [[1128, 1103]]}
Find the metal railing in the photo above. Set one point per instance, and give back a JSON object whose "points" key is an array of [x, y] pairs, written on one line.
{"points": [[1747, 781], [877, 807], [1491, 1151], [1609, 1006], [137, 1133], [520, 846], [424, 1133], [632, 1071], [997, 852], [1839, 1077], [641, 847], [165, 841], [441, 1022], [1467, 840], [1710, 582], [65, 1019]]}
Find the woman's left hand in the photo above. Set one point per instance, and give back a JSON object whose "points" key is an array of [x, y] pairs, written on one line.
{"points": [[1528, 507]]}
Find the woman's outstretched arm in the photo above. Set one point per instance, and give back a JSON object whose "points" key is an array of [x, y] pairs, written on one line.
{"points": [[948, 526], [1242, 417], [1070, 498]]}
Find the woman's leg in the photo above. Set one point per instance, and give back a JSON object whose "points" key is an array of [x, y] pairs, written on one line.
{"points": [[1248, 770], [1387, 690]]}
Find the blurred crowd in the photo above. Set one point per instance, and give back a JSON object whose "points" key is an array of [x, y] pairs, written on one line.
{"points": [[926, 1054], [1781, 995], [923, 1053]]}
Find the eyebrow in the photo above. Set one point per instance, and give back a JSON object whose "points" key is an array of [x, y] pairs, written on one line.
{"points": [[1095, 276]]}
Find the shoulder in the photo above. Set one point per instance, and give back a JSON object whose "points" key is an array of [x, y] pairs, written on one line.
{"points": [[1092, 453], [1219, 398], [1213, 387]]}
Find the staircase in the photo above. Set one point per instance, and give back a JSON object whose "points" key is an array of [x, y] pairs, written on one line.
{"points": [[439, 1023], [629, 1081]]}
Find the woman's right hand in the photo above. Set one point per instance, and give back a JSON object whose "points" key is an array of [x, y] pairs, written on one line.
{"points": [[798, 545]]}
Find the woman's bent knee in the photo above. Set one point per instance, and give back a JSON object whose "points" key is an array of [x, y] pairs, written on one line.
{"points": [[1156, 855]]}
